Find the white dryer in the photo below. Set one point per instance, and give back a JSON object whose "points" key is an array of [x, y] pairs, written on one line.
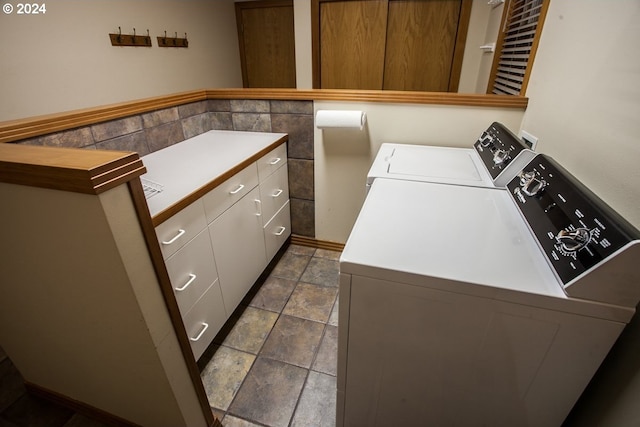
{"points": [[467, 306], [493, 161]]}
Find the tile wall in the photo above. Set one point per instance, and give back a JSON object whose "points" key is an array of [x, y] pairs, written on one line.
{"points": [[152, 131]]}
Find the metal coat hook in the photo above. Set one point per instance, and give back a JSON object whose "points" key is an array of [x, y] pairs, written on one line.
{"points": [[174, 41], [119, 39]]}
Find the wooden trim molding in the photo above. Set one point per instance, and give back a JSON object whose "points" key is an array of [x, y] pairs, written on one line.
{"points": [[315, 243], [68, 169], [148, 230], [16, 130]]}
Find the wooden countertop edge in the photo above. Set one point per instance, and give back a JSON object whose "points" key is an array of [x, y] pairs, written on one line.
{"points": [[68, 169], [167, 213], [16, 130]]}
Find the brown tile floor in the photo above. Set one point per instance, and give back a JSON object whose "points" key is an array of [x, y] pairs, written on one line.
{"points": [[273, 365]]}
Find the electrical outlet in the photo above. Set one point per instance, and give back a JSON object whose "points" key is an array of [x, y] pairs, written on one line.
{"points": [[529, 139]]}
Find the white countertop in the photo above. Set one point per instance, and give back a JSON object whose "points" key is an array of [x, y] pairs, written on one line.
{"points": [[190, 165]]}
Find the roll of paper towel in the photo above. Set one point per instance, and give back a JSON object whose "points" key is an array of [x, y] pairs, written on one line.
{"points": [[326, 119]]}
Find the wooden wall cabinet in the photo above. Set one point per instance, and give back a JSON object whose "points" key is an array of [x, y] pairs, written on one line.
{"points": [[413, 45]]}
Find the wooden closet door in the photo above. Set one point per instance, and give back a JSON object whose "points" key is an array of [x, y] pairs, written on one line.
{"points": [[267, 43], [352, 44], [421, 39]]}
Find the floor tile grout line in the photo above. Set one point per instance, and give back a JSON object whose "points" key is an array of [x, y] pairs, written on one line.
{"points": [[280, 314], [264, 342]]}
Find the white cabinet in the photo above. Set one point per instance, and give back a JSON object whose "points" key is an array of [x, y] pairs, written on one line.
{"points": [[277, 230], [217, 246], [239, 235], [229, 192], [192, 271], [238, 243], [194, 277], [274, 193], [181, 228]]}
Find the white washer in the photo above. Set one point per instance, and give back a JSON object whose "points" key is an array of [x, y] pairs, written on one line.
{"points": [[493, 161], [466, 306]]}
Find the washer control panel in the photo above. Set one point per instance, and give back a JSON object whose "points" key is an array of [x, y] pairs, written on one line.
{"points": [[576, 230], [498, 147]]}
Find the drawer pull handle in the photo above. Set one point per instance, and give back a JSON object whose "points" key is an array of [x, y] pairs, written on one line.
{"points": [[275, 161], [259, 206], [280, 231], [177, 236], [277, 193], [205, 327], [237, 190], [192, 277]]}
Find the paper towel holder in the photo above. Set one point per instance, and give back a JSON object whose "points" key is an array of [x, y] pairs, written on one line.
{"points": [[341, 119]]}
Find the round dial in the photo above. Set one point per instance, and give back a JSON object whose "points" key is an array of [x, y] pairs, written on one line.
{"points": [[500, 156], [573, 240], [531, 183], [486, 139]]}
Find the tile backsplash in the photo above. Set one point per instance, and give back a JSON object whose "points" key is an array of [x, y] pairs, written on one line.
{"points": [[152, 131]]}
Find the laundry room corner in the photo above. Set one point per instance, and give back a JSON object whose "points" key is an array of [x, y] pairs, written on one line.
{"points": [[343, 156]]}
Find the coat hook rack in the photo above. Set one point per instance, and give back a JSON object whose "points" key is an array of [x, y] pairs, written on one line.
{"points": [[120, 39], [175, 41]]}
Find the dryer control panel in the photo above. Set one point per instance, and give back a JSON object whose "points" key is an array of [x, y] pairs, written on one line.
{"points": [[498, 147], [585, 241]]}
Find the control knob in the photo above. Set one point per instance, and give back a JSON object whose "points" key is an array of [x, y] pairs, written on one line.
{"points": [[531, 183], [500, 156], [573, 240], [486, 139]]}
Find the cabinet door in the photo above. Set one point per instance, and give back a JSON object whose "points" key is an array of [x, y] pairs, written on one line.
{"points": [[267, 43], [238, 246], [352, 35], [421, 40]]}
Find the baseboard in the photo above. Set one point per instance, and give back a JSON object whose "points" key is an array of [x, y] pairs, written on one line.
{"points": [[83, 408], [315, 243], [77, 406]]}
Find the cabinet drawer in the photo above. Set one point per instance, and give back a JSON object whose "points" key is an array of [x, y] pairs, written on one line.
{"points": [[191, 270], [274, 193], [226, 194], [277, 231], [181, 228], [205, 319], [271, 161]]}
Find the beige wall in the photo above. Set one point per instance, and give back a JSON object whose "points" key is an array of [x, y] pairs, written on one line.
{"points": [[584, 105], [584, 97], [63, 60], [484, 25]]}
